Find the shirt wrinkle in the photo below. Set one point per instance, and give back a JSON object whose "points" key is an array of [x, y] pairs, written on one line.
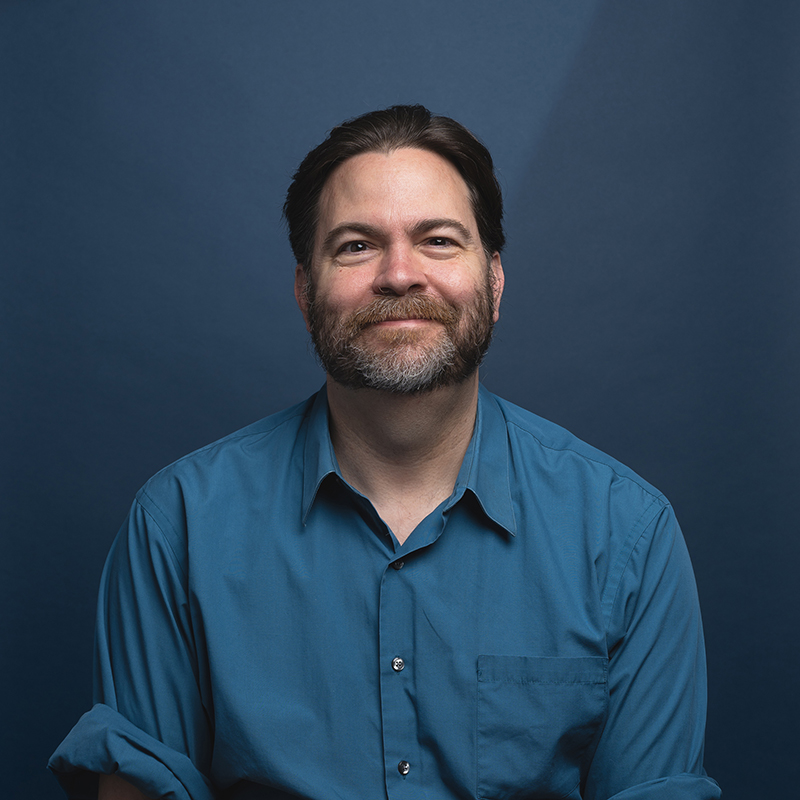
{"points": [[451, 667]]}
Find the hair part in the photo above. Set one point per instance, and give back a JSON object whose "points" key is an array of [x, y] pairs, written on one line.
{"points": [[384, 131]]}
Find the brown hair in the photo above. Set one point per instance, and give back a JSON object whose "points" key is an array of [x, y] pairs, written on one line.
{"points": [[389, 129]]}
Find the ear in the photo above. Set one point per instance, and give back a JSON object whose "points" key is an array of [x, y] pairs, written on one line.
{"points": [[301, 290], [498, 282]]}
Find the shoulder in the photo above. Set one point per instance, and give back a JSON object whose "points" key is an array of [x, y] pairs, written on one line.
{"points": [[256, 453], [586, 500], [556, 445], [549, 466]]}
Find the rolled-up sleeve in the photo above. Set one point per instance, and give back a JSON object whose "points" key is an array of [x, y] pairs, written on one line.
{"points": [[105, 742], [149, 724], [676, 787]]}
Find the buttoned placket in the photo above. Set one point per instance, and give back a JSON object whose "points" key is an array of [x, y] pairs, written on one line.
{"points": [[402, 759], [404, 768]]}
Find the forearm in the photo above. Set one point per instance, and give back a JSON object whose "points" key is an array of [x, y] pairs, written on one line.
{"points": [[112, 787]]}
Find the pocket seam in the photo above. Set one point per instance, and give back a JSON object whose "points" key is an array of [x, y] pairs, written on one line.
{"points": [[510, 670]]}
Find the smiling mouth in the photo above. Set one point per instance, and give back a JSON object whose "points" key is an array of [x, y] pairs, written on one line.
{"points": [[408, 311], [401, 320]]}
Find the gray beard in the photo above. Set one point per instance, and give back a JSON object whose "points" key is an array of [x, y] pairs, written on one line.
{"points": [[402, 370], [400, 364]]}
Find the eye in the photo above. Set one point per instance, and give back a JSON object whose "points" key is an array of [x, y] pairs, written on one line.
{"points": [[440, 241], [354, 247]]}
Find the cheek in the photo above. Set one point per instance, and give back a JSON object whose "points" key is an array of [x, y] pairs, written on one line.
{"points": [[461, 289], [345, 289]]}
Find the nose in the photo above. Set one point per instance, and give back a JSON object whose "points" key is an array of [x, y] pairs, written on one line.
{"points": [[400, 272]]}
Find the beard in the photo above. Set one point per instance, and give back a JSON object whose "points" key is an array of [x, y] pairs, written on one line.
{"points": [[404, 361]]}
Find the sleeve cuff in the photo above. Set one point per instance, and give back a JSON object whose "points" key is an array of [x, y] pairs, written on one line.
{"points": [[677, 787], [105, 742]]}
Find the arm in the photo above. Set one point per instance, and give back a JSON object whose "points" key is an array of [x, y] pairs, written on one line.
{"points": [[146, 662], [112, 787], [149, 727], [652, 743]]}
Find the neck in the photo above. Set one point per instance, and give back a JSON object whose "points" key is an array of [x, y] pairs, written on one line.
{"points": [[403, 452]]}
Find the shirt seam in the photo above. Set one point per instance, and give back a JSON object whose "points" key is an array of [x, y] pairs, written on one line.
{"points": [[640, 483], [173, 555], [629, 555], [232, 437], [626, 555]]}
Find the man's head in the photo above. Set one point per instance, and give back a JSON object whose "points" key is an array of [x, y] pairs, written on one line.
{"points": [[384, 131], [400, 282]]}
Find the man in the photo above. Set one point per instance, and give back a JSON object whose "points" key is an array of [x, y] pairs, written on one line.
{"points": [[404, 587]]}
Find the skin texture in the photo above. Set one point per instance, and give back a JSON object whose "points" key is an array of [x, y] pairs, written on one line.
{"points": [[112, 787], [394, 224]]}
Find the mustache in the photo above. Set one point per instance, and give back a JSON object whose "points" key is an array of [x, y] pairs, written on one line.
{"points": [[410, 306]]}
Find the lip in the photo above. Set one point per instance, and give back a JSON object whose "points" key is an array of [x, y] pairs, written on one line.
{"points": [[403, 322]]}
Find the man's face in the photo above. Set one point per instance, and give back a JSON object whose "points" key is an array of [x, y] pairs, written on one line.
{"points": [[401, 296]]}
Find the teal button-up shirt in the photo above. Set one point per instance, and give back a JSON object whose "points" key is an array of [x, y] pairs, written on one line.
{"points": [[262, 634]]}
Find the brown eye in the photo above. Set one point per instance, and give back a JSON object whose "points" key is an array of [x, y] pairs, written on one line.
{"points": [[354, 247]]}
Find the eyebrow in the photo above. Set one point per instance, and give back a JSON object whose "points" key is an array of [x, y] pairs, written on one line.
{"points": [[426, 225], [370, 231], [373, 232]]}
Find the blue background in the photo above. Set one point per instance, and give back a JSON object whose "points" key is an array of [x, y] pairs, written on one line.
{"points": [[649, 154]]}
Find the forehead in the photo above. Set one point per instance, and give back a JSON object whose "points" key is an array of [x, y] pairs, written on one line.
{"points": [[397, 188]]}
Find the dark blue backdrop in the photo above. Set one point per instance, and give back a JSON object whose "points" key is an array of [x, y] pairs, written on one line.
{"points": [[649, 155]]}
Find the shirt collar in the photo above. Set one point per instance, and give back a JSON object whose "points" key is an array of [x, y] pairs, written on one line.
{"points": [[486, 466], [319, 460], [484, 471]]}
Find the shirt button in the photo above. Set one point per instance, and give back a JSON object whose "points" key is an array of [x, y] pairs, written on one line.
{"points": [[398, 565], [398, 664], [403, 767]]}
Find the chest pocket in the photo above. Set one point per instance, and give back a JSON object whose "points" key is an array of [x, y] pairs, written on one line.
{"points": [[536, 719]]}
